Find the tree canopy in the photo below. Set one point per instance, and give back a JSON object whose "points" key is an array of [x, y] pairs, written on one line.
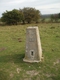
{"points": [[25, 15], [55, 17], [30, 14], [11, 17]]}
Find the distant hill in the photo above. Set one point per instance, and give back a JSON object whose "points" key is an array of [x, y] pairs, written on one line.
{"points": [[47, 15]]}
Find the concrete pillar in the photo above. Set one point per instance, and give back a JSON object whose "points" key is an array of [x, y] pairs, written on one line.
{"points": [[33, 45]]}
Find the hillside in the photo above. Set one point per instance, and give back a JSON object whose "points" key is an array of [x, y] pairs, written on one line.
{"points": [[47, 15], [12, 50]]}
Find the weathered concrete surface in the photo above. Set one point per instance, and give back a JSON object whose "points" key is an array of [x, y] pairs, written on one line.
{"points": [[33, 45]]}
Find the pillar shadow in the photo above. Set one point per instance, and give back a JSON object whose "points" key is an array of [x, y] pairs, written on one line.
{"points": [[16, 58]]}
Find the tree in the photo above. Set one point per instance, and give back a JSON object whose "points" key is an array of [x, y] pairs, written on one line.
{"points": [[12, 17], [23, 15], [52, 18], [56, 17], [23, 18], [37, 16], [30, 14], [59, 15]]}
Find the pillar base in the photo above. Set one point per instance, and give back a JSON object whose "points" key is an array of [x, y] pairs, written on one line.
{"points": [[32, 61]]}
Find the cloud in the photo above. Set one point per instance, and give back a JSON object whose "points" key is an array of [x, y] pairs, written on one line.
{"points": [[50, 11], [49, 8], [45, 6], [55, 5], [10, 2]]}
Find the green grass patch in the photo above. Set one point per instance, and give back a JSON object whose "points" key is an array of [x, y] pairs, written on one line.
{"points": [[12, 50]]}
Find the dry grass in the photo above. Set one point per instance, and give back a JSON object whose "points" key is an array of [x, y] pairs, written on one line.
{"points": [[12, 50]]}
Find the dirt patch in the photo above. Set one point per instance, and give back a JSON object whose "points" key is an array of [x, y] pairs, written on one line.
{"points": [[2, 49], [19, 39], [48, 75], [18, 70], [27, 79], [56, 62], [11, 75], [32, 73]]}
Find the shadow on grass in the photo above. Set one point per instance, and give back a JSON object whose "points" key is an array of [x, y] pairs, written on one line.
{"points": [[3, 75], [56, 77], [16, 58]]}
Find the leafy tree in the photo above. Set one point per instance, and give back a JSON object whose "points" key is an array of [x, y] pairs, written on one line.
{"points": [[37, 16], [12, 17], [23, 15], [23, 18], [30, 14], [59, 15], [56, 17], [52, 18], [43, 20]]}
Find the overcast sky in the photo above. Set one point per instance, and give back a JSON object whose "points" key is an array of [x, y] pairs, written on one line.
{"points": [[45, 6]]}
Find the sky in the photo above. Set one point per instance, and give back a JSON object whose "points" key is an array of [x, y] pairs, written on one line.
{"points": [[44, 6]]}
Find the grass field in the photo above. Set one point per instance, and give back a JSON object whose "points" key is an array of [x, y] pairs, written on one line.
{"points": [[12, 50]]}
